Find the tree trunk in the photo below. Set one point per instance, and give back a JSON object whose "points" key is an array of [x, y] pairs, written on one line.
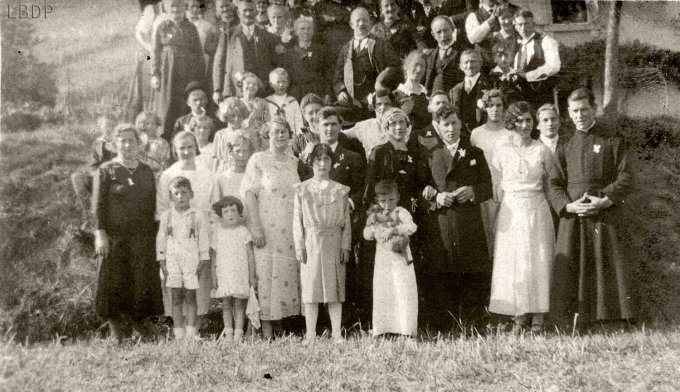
{"points": [[611, 60]]}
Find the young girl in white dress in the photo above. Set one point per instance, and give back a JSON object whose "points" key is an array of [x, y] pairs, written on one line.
{"points": [[232, 266], [395, 294], [520, 285]]}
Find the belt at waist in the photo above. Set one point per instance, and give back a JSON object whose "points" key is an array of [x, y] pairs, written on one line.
{"points": [[524, 194], [323, 231]]}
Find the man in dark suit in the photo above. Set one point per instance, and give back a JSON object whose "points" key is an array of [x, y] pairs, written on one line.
{"points": [[457, 265], [465, 95], [243, 48], [443, 71], [361, 63]]}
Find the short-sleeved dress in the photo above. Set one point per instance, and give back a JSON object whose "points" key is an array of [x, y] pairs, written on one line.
{"points": [[322, 227], [395, 293], [231, 261], [525, 239], [271, 179]]}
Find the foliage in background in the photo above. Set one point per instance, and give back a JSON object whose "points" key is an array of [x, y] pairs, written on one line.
{"points": [[28, 85], [584, 63]]}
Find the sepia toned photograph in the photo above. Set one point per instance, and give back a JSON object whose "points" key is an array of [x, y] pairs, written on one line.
{"points": [[339, 195]]}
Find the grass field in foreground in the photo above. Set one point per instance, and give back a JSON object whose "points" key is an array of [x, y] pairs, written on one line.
{"points": [[638, 361]]}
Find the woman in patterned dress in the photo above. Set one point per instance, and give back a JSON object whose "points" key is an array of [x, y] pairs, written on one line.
{"points": [[268, 186]]}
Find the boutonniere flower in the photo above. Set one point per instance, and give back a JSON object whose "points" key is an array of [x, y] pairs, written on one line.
{"points": [[429, 134], [596, 148], [410, 159], [337, 165], [342, 156], [473, 162], [402, 171], [461, 151]]}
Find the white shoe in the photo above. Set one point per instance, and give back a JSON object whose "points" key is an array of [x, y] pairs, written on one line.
{"points": [[238, 335], [178, 333], [192, 333]]}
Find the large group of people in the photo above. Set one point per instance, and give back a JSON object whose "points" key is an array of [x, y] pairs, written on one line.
{"points": [[400, 162]]}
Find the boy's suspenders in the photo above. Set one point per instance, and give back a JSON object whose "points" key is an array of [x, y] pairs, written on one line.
{"points": [[192, 228]]}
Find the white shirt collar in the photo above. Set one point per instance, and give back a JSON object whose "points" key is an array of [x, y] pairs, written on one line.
{"points": [[334, 146], [420, 89], [526, 41], [472, 80], [248, 31], [550, 143]]}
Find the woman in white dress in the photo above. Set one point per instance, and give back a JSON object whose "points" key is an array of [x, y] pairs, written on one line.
{"points": [[185, 148], [520, 285], [486, 137], [268, 186]]}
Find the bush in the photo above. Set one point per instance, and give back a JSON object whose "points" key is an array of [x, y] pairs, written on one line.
{"points": [[584, 63]]}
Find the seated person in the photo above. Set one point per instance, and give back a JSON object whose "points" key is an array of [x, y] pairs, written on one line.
{"points": [[363, 63], [537, 60]]}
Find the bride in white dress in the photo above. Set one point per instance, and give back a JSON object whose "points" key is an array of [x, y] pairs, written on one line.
{"points": [[525, 237]]}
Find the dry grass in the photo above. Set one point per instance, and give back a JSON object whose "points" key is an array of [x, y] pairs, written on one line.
{"points": [[640, 361]]}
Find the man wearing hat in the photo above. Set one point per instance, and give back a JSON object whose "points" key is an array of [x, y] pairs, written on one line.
{"points": [[197, 101]]}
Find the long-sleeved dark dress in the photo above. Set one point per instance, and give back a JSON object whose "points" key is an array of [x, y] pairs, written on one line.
{"points": [[124, 202], [589, 272], [177, 60]]}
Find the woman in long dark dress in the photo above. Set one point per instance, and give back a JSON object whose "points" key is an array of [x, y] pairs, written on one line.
{"points": [[124, 198], [177, 60]]}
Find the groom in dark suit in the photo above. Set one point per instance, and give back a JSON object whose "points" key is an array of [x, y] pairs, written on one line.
{"points": [[457, 266]]}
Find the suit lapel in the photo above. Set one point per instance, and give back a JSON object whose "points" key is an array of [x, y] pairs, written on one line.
{"points": [[457, 158], [446, 61], [348, 71]]}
